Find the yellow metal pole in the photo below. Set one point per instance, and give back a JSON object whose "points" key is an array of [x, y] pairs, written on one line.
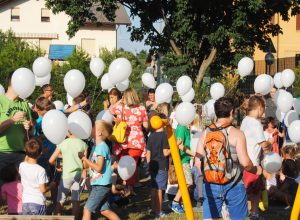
{"points": [[296, 206], [156, 123]]}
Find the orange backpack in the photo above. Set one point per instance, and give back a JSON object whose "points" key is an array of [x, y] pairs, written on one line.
{"points": [[218, 166]]}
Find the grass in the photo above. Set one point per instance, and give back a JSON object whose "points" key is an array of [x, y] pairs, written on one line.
{"points": [[140, 205]]}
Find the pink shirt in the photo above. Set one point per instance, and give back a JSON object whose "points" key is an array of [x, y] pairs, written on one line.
{"points": [[13, 193]]}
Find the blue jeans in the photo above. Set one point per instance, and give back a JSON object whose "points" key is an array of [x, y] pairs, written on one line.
{"points": [[234, 196], [198, 180], [98, 199], [33, 209]]}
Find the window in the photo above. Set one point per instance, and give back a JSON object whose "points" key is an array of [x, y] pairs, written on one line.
{"points": [[45, 15], [298, 22], [15, 14]]}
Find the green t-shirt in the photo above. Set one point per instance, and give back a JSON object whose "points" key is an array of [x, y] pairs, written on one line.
{"points": [[12, 139], [72, 164], [184, 134]]}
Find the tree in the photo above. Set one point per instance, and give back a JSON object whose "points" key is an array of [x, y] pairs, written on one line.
{"points": [[215, 31]]}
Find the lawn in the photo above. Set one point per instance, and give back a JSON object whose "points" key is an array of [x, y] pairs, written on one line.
{"points": [[139, 208]]}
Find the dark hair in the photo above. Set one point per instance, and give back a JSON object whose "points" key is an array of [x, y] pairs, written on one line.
{"points": [[113, 159], [115, 92], [33, 148], [151, 91], [270, 120], [289, 150], [43, 103], [9, 173], [254, 102], [44, 87], [223, 107], [9, 78]]}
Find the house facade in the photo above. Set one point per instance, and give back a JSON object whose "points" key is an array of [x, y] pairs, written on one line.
{"points": [[31, 21]]}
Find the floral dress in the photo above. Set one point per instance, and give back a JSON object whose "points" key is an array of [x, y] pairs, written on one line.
{"points": [[134, 117]]}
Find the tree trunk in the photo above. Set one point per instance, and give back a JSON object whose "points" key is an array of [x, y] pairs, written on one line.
{"points": [[205, 64], [175, 48]]}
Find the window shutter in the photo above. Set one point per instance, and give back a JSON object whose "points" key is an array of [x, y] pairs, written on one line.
{"points": [[298, 22]]}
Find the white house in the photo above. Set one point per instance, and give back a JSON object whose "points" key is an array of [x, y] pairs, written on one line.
{"points": [[33, 22]]}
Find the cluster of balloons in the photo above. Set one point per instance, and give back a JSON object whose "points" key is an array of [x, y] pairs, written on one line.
{"points": [[164, 93], [148, 80], [41, 68], [56, 125], [184, 88], [284, 79]]}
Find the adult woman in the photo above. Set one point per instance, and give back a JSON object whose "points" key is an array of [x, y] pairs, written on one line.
{"points": [[135, 116], [114, 95]]}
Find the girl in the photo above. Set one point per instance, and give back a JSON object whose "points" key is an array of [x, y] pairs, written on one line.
{"points": [[271, 133], [11, 190]]}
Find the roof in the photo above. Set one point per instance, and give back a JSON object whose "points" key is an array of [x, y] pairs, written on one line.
{"points": [[121, 15]]}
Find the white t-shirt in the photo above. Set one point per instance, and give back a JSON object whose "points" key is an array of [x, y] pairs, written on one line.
{"points": [[32, 175], [254, 133]]}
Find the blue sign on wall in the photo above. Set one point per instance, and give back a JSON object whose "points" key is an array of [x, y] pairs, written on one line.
{"points": [[60, 52]]}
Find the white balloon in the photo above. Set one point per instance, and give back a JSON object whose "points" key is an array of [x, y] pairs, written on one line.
{"points": [[287, 77], [69, 99], [183, 85], [277, 94], [80, 124], [185, 113], [271, 81], [245, 66], [122, 86], [189, 96], [74, 82], [291, 116], [148, 80], [55, 126], [271, 162], [119, 70], [126, 167], [97, 66], [209, 108], [285, 101], [279, 115], [40, 81], [294, 131], [263, 84], [23, 82], [105, 82], [58, 105], [2, 90], [41, 66], [163, 93], [296, 105], [217, 91], [106, 116], [277, 80]]}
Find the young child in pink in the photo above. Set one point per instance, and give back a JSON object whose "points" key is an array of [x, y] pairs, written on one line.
{"points": [[11, 190]]}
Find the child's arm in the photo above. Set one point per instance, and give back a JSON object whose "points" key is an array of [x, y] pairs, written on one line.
{"points": [[45, 187], [95, 166], [166, 152], [54, 156], [148, 156]]}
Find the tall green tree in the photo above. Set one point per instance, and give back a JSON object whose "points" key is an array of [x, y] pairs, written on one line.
{"points": [[219, 31]]}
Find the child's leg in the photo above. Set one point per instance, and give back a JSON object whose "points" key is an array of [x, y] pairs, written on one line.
{"points": [[153, 200], [177, 196], [110, 215], [63, 190], [75, 193], [76, 209], [255, 198], [159, 200], [87, 215]]}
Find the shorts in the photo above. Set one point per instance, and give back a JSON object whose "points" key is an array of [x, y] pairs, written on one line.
{"points": [[253, 183], [159, 180], [33, 209], [234, 196], [187, 170], [98, 199], [67, 185]]}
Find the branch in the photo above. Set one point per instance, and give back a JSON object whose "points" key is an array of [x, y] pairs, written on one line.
{"points": [[205, 64], [175, 48]]}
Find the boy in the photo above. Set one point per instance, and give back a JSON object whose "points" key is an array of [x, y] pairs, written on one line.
{"points": [[99, 164], [34, 180], [158, 152]]}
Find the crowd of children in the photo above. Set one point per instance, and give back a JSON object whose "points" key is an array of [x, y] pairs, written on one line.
{"points": [[75, 165]]}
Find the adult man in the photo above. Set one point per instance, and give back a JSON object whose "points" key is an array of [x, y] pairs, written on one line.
{"points": [[47, 91], [232, 192], [14, 117]]}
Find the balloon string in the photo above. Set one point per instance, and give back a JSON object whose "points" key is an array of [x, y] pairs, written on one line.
{"points": [[233, 86], [95, 87], [96, 98], [27, 134]]}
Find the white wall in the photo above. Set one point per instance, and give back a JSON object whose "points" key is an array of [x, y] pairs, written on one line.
{"points": [[30, 22]]}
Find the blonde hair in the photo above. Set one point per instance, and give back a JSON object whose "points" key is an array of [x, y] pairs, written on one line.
{"points": [[131, 98], [163, 108], [103, 127], [197, 121]]}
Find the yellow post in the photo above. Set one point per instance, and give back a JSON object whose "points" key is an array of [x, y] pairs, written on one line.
{"points": [[296, 206], [156, 123]]}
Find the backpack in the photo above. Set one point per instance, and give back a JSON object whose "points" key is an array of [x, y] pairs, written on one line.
{"points": [[218, 165]]}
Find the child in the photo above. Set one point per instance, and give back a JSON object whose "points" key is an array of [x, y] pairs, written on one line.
{"points": [[256, 143], [34, 180], [158, 152], [99, 163], [11, 190], [271, 133], [71, 172]]}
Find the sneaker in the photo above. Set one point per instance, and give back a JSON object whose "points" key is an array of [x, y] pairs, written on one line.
{"points": [[177, 208], [287, 207], [161, 215]]}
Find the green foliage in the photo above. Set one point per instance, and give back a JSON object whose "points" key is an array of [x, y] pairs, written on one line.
{"points": [[192, 28], [14, 53], [296, 84]]}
